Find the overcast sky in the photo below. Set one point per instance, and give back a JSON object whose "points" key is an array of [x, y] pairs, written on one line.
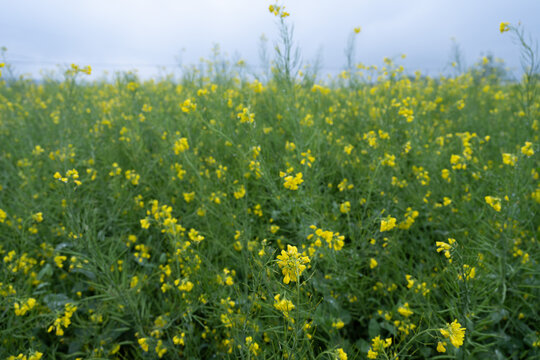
{"points": [[121, 34]]}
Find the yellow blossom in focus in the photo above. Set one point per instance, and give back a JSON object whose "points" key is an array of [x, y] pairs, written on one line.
{"points": [[455, 332], [292, 264]]}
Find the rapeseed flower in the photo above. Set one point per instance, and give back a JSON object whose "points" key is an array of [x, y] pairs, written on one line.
{"points": [[284, 305], [340, 354], [388, 224], [181, 145], [494, 202], [345, 207], [292, 264], [292, 182], [22, 309], [441, 346], [509, 159], [527, 149], [446, 247], [378, 345], [405, 311], [143, 342], [455, 332]]}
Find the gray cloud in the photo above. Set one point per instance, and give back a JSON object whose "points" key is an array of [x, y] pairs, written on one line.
{"points": [[126, 34]]}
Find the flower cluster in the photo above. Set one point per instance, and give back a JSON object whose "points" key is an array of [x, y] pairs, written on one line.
{"points": [[292, 264], [291, 182], [454, 332]]}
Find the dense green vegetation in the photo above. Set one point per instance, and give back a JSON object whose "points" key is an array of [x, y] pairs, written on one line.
{"points": [[376, 215]]}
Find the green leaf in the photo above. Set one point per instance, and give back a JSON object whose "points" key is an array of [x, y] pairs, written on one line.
{"points": [[374, 328]]}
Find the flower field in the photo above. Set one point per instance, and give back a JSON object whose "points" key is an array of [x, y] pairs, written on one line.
{"points": [[375, 215]]}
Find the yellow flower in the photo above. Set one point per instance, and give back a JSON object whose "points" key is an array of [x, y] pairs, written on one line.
{"points": [[291, 264], [504, 27], [494, 202], [527, 149], [188, 106], [469, 272], [144, 345], [373, 263], [345, 207], [134, 281], [509, 159], [278, 11], [340, 354], [253, 346], [455, 332], [38, 217], [145, 223], [181, 145], [445, 174], [184, 285], [440, 347], [195, 236], [245, 116], [446, 247], [291, 182], [59, 260], [404, 310], [179, 340], [160, 349], [188, 197], [22, 309], [338, 324], [284, 305], [357, 30], [240, 193], [377, 345], [388, 224]]}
